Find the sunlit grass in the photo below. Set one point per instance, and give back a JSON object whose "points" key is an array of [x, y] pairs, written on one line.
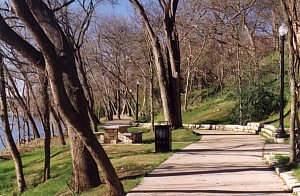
{"points": [[216, 110], [132, 163]]}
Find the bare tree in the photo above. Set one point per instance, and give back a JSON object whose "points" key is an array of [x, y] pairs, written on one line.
{"points": [[291, 10], [169, 84], [8, 135]]}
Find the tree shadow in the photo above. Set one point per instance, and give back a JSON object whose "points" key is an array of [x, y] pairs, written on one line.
{"points": [[203, 172]]}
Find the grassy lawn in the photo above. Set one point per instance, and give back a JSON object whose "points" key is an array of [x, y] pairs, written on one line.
{"points": [[132, 162], [138, 129]]}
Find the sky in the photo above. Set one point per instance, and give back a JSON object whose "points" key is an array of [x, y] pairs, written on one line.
{"points": [[122, 8]]}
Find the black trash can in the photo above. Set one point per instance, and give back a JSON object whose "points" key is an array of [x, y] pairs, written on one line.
{"points": [[163, 138]]}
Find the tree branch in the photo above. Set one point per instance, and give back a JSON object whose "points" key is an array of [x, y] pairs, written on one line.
{"points": [[23, 12], [162, 4], [27, 50], [240, 11], [62, 6]]}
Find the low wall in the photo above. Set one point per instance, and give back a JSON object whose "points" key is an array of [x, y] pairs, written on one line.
{"points": [[252, 127]]}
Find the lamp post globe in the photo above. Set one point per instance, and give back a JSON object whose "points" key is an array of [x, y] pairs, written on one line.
{"points": [[283, 30]]}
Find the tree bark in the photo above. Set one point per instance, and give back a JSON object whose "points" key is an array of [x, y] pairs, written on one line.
{"points": [[151, 95], [85, 173], [240, 85], [187, 88], [174, 59], [45, 115]]}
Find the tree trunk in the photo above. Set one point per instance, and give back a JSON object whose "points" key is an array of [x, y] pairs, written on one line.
{"points": [[187, 89], [7, 132], [240, 84], [291, 12], [152, 96], [45, 115], [85, 171], [91, 106], [173, 54], [293, 115], [26, 126], [57, 125], [172, 112], [275, 30]]}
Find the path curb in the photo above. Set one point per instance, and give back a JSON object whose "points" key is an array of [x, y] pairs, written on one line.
{"points": [[287, 176]]}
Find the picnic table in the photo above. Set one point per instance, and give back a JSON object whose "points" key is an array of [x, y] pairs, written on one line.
{"points": [[111, 133], [114, 134]]}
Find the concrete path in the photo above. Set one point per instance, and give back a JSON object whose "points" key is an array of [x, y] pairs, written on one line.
{"points": [[220, 164], [125, 120]]}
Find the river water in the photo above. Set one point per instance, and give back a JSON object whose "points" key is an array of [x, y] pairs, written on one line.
{"points": [[13, 125]]}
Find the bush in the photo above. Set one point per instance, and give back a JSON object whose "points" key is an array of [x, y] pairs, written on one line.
{"points": [[258, 103]]}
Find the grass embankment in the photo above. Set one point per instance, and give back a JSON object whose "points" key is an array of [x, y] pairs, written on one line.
{"points": [[274, 119], [215, 110], [132, 162]]}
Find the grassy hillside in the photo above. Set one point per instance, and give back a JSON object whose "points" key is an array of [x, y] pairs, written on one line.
{"points": [[215, 110], [223, 108]]}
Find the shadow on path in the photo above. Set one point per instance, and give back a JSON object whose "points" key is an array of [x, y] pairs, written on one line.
{"points": [[228, 171]]}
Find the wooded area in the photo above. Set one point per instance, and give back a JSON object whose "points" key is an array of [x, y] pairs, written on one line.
{"points": [[68, 64]]}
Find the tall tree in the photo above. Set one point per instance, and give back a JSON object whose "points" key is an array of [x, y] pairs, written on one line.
{"points": [[168, 73], [291, 10], [8, 135]]}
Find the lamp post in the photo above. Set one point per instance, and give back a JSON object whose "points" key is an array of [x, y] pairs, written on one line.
{"points": [[282, 34], [137, 102], [130, 103]]}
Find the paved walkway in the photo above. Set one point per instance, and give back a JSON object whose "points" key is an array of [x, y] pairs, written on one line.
{"points": [[220, 164], [125, 120]]}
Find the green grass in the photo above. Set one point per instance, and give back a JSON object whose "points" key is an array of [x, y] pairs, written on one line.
{"points": [[131, 162], [282, 159], [216, 110], [33, 169], [138, 129], [274, 119]]}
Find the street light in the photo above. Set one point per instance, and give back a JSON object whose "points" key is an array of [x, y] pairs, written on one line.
{"points": [[130, 103], [137, 102], [283, 30]]}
